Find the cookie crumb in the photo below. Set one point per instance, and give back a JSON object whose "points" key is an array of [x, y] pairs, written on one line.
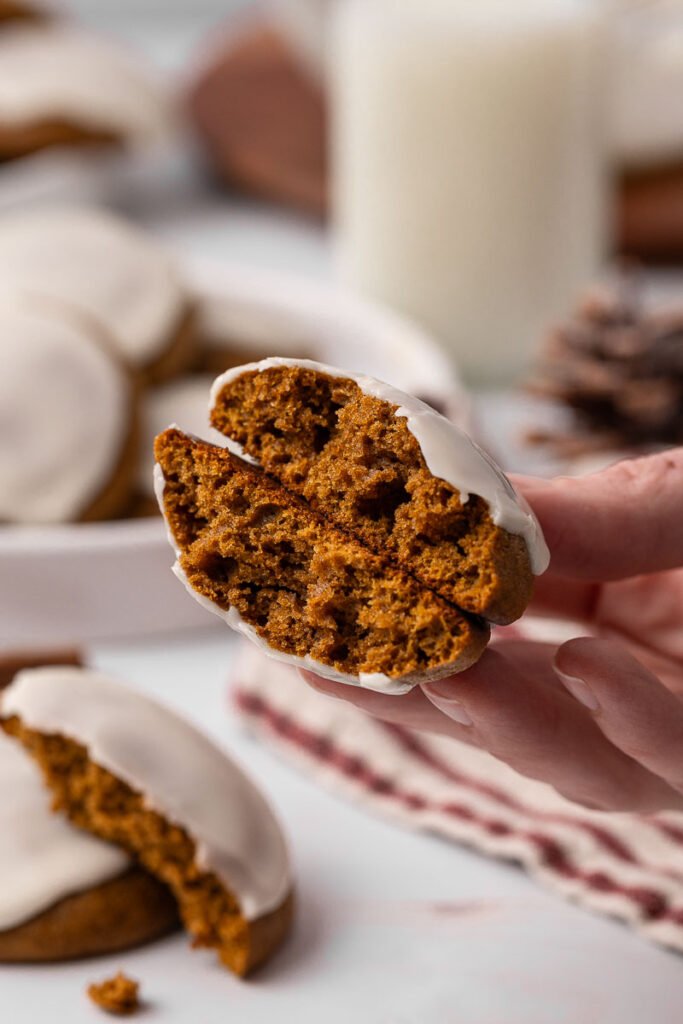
{"points": [[116, 995]]}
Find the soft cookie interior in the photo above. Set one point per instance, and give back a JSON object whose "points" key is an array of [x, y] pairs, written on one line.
{"points": [[303, 585], [347, 453], [99, 802]]}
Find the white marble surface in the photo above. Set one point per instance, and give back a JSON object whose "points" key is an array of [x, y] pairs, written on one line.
{"points": [[393, 927]]}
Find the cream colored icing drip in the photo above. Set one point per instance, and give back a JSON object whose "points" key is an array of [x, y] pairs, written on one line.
{"points": [[102, 264], [64, 406], [55, 71], [367, 680], [43, 858], [180, 772], [449, 453], [182, 402]]}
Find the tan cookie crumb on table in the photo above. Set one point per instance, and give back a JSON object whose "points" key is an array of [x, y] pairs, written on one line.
{"points": [[116, 995]]}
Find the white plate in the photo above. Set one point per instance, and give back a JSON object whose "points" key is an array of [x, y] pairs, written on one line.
{"points": [[87, 581]]}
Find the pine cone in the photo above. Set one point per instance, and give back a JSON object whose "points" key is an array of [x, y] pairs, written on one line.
{"points": [[619, 369]]}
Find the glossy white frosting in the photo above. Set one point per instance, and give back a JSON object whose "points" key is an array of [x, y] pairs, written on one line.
{"points": [[181, 773], [367, 680], [181, 402], [43, 858], [64, 412], [449, 453], [106, 266], [57, 71]]}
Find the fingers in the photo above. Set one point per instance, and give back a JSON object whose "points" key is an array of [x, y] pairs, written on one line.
{"points": [[543, 733], [412, 711], [628, 703], [621, 522]]}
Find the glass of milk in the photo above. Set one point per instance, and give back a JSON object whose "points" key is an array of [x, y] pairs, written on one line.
{"points": [[469, 165]]}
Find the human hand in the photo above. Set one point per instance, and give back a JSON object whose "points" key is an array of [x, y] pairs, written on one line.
{"points": [[600, 718]]}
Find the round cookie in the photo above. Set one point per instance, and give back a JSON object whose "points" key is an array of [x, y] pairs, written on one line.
{"points": [[393, 472], [67, 405], [131, 771], [64, 894], [111, 270], [63, 86]]}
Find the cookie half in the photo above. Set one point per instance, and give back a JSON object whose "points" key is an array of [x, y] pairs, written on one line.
{"points": [[64, 894], [134, 773], [391, 471], [302, 588]]}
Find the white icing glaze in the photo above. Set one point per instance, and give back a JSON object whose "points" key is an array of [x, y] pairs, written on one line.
{"points": [[64, 407], [56, 71], [181, 402], [43, 858], [367, 680], [181, 773], [449, 453], [102, 264]]}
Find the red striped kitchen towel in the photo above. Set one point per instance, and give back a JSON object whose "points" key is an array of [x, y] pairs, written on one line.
{"points": [[626, 865]]}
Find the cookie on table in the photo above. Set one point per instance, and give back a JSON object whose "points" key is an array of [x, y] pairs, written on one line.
{"points": [[300, 587], [134, 773], [68, 413], [61, 86], [392, 472], [64, 894], [113, 271]]}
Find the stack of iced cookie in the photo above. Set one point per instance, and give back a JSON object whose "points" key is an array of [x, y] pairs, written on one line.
{"points": [[102, 344], [150, 822]]}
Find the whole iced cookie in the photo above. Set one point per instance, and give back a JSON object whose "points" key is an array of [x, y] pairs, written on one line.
{"points": [[113, 271], [67, 410], [132, 772], [63, 86], [64, 894], [394, 473]]}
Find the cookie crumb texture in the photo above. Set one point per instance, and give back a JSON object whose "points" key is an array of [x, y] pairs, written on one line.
{"points": [[306, 586], [98, 802], [347, 454], [116, 995]]}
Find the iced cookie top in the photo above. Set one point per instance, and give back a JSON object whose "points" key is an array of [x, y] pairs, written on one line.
{"points": [[448, 452], [181, 773], [107, 267], [58, 72], [43, 858], [64, 407]]}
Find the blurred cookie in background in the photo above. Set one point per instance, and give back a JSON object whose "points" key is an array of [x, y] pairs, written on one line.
{"points": [[114, 272], [68, 416], [15, 10], [62, 86], [260, 113], [647, 131]]}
